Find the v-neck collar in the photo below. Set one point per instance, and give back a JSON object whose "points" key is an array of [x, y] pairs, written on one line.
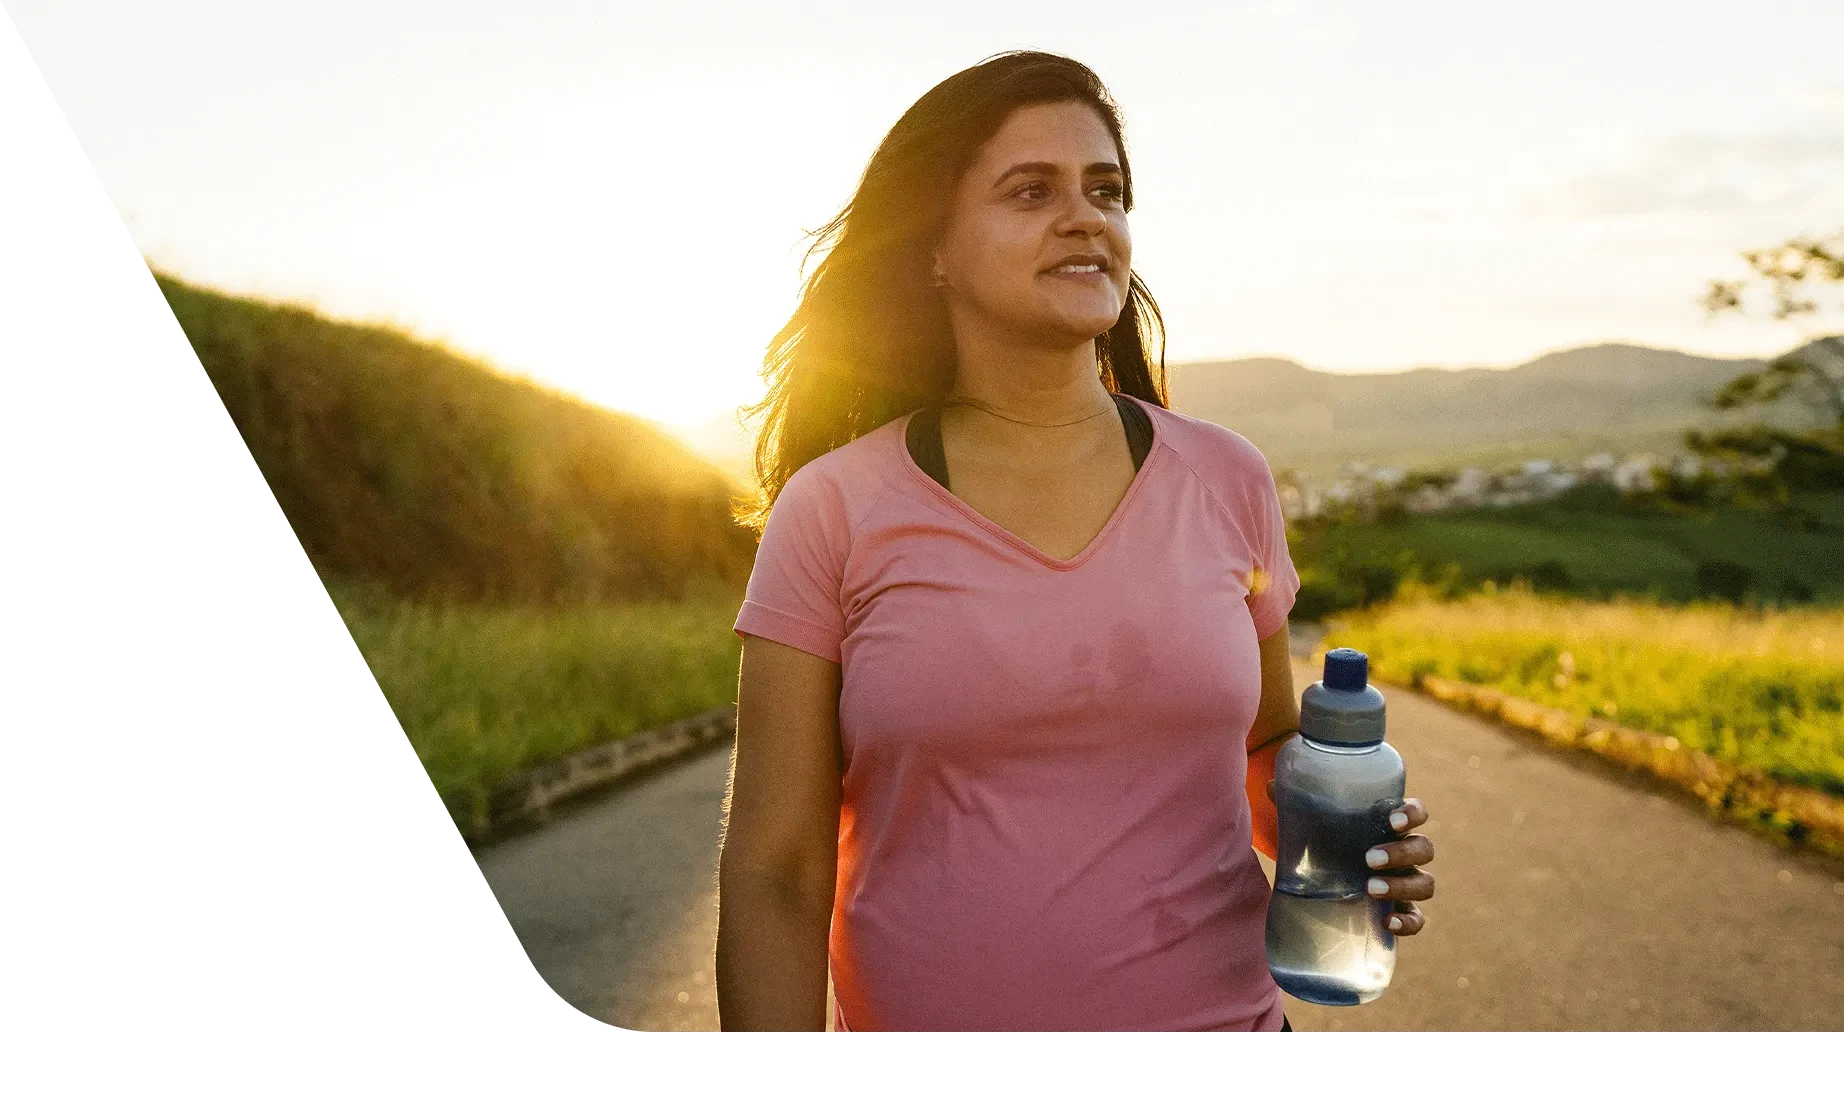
{"points": [[1095, 543]]}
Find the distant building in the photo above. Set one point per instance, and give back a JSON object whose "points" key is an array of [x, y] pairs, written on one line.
{"points": [[1532, 480], [1635, 472], [1600, 465], [1293, 501], [1429, 500]]}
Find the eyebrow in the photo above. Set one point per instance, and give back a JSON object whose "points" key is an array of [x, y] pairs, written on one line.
{"points": [[1051, 169]]}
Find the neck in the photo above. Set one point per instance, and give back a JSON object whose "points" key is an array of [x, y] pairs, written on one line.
{"points": [[1032, 385]]}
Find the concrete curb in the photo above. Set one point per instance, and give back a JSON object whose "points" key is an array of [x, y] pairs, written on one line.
{"points": [[527, 798]]}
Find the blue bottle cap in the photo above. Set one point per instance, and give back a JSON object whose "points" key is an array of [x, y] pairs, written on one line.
{"points": [[1346, 670], [1343, 708]]}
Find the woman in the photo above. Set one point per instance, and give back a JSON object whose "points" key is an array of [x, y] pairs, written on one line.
{"points": [[1004, 743]]}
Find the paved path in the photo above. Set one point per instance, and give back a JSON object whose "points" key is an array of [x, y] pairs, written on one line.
{"points": [[1571, 897]]}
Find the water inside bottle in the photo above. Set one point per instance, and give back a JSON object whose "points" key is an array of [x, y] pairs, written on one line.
{"points": [[1330, 950], [1323, 842]]}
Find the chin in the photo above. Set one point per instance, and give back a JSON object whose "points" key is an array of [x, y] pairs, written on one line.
{"points": [[1087, 326], [1074, 316]]}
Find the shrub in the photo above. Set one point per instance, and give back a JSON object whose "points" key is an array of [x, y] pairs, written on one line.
{"points": [[1377, 582], [1551, 575], [1321, 594], [1724, 579]]}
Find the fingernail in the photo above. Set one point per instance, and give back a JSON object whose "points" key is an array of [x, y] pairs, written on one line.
{"points": [[1376, 859], [1395, 922], [1379, 886], [1398, 820]]}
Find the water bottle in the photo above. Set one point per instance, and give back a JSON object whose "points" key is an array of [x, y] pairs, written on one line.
{"points": [[1334, 787]]}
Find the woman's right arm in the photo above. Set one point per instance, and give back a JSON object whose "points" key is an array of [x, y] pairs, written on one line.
{"points": [[779, 859]]}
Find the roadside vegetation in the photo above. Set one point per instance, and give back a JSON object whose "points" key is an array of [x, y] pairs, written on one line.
{"points": [[487, 691], [1762, 688]]}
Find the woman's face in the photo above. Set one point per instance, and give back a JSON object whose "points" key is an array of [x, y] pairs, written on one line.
{"points": [[1047, 186]]}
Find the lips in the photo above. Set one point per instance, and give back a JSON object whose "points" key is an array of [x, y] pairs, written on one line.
{"points": [[1079, 264]]}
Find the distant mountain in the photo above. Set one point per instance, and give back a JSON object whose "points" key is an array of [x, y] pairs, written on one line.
{"points": [[1561, 406], [404, 464]]}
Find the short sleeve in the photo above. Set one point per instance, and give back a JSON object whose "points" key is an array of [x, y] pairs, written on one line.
{"points": [[1275, 581], [794, 593]]}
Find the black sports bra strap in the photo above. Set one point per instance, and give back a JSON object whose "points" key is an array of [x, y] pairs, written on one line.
{"points": [[923, 437], [1139, 428], [924, 440]]}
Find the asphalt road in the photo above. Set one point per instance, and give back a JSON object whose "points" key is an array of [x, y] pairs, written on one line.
{"points": [[1570, 896]]}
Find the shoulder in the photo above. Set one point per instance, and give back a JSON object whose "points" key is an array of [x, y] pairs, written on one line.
{"points": [[1224, 459], [839, 485]]}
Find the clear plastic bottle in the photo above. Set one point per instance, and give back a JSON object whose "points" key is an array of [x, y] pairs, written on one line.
{"points": [[1334, 787]]}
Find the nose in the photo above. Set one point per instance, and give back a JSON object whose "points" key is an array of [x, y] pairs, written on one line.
{"points": [[1082, 215]]}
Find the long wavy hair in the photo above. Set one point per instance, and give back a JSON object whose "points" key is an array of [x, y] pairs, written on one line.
{"points": [[871, 340]]}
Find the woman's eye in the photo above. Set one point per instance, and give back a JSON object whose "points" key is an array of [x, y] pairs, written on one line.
{"points": [[1036, 190]]}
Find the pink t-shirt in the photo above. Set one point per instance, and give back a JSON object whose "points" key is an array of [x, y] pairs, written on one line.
{"points": [[1043, 823]]}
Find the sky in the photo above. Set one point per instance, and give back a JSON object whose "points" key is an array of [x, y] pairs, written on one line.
{"points": [[615, 201]]}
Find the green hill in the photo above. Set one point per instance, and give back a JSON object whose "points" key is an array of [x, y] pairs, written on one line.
{"points": [[403, 464]]}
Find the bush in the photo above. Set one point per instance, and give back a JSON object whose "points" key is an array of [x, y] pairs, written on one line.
{"points": [[1723, 579], [1551, 575], [1320, 595], [1376, 582]]}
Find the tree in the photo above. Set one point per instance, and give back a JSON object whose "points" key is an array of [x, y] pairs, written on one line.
{"points": [[1799, 274], [1801, 278]]}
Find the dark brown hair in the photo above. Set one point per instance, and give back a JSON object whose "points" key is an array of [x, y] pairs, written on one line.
{"points": [[870, 340]]}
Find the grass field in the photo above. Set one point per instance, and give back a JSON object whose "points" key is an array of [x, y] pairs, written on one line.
{"points": [[1763, 688], [486, 692]]}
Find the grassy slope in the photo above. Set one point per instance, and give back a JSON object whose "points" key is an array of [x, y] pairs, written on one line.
{"points": [[404, 464]]}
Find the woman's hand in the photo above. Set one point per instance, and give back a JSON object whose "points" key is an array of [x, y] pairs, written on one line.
{"points": [[1399, 858], [1406, 883]]}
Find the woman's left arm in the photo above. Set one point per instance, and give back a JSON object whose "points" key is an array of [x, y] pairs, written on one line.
{"points": [[1277, 718]]}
